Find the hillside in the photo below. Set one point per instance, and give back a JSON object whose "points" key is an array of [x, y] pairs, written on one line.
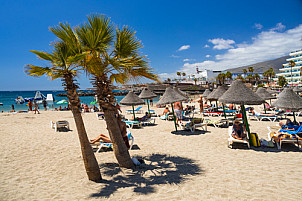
{"points": [[260, 67]]}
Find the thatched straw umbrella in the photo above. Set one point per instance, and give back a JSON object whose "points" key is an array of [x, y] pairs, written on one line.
{"points": [[264, 95], [206, 93], [240, 94], [280, 94], [132, 99], [271, 91], [147, 94], [180, 92], [297, 89], [289, 100], [171, 96], [216, 94]]}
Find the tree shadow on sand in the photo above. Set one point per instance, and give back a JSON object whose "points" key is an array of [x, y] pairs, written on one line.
{"points": [[188, 132], [157, 169]]}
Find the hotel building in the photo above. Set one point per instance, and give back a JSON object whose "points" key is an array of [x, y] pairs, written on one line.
{"points": [[295, 56]]}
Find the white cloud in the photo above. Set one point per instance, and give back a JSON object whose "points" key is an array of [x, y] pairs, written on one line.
{"points": [[184, 47], [174, 56], [188, 60], [278, 27], [265, 46], [208, 56], [258, 26], [206, 46], [220, 43]]}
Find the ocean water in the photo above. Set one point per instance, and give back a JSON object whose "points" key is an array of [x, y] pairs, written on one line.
{"points": [[8, 98]]}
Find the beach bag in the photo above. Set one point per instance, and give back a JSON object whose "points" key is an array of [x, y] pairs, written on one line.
{"points": [[255, 140]]}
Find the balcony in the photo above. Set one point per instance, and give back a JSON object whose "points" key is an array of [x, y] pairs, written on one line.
{"points": [[295, 53], [294, 58]]}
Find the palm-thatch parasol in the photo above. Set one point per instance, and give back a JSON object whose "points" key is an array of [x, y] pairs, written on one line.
{"points": [[132, 99], [206, 93], [271, 91], [280, 94], [147, 94], [180, 92], [240, 94], [170, 96], [297, 89], [216, 94], [264, 95], [289, 100]]}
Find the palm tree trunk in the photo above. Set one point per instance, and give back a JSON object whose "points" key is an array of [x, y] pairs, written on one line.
{"points": [[90, 162], [106, 98]]}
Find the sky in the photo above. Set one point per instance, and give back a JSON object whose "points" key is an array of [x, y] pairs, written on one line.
{"points": [[178, 36]]}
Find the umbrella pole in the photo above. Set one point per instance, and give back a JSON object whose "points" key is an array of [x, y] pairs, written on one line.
{"points": [[246, 123], [216, 105], [133, 112], [174, 116], [223, 111], [294, 117], [148, 106], [264, 108]]}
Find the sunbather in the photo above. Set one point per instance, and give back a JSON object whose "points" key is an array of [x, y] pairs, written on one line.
{"points": [[238, 130], [289, 125], [166, 110], [123, 128]]}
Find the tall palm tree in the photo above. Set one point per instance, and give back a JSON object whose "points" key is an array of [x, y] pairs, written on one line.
{"points": [[178, 74], [251, 69], [229, 75], [112, 56], [249, 77], [256, 77], [244, 72], [65, 65], [292, 64], [184, 75]]}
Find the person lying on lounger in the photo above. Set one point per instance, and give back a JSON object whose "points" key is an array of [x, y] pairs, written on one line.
{"points": [[238, 130], [289, 125], [252, 110], [106, 139]]}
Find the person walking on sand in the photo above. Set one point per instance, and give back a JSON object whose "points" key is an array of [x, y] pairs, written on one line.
{"points": [[178, 111], [44, 102], [36, 107], [200, 101], [30, 105], [13, 108]]}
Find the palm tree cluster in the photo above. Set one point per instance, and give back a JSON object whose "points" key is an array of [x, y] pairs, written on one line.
{"points": [[269, 74], [181, 74], [107, 54], [222, 77]]}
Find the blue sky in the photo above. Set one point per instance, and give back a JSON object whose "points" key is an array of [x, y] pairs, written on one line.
{"points": [[177, 35]]}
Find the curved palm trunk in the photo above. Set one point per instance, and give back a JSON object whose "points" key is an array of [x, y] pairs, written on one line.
{"points": [[90, 162], [106, 98]]}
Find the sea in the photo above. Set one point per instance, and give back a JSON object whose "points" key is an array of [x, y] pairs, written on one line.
{"points": [[7, 98]]}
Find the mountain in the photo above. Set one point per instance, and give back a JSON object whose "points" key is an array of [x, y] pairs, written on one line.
{"points": [[260, 67]]}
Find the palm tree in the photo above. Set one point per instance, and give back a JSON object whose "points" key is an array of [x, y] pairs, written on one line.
{"points": [[229, 75], [244, 72], [239, 77], [292, 64], [266, 74], [168, 80], [179, 74], [251, 69], [256, 77], [112, 56], [64, 65], [249, 77], [282, 81], [184, 75], [195, 81]]}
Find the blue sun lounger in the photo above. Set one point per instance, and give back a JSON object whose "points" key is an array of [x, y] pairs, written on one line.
{"points": [[137, 110]]}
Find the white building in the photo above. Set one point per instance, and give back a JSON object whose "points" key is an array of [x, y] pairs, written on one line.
{"points": [[292, 74]]}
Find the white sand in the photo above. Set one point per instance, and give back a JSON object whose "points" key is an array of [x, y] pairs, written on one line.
{"points": [[39, 164]]}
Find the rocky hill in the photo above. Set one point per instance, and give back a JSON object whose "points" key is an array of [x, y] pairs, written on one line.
{"points": [[260, 67]]}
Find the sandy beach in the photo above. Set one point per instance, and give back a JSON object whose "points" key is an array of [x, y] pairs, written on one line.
{"points": [[38, 163]]}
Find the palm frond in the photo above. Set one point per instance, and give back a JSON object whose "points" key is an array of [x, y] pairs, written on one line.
{"points": [[43, 55], [121, 78], [37, 71]]}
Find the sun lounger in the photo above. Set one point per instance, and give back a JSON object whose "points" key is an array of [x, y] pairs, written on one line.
{"points": [[131, 124], [137, 110], [59, 124], [198, 122], [262, 117], [149, 121], [284, 137], [100, 145], [212, 114], [231, 139]]}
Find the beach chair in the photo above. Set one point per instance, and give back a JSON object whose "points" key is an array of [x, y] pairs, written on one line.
{"points": [[100, 145], [164, 117], [198, 122], [137, 111], [281, 137], [59, 124], [262, 117], [131, 124], [231, 139], [149, 121]]}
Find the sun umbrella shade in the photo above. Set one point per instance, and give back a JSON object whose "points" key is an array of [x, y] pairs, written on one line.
{"points": [[288, 100], [217, 93], [240, 94], [206, 93], [280, 94], [271, 91], [132, 99], [147, 94], [264, 94], [170, 96], [297, 89], [180, 92]]}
